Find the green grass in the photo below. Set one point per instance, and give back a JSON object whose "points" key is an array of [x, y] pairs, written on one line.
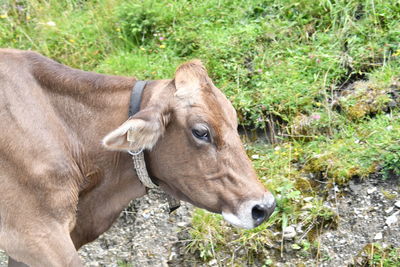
{"points": [[375, 255], [325, 74]]}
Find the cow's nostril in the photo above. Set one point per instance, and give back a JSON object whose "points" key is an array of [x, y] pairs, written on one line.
{"points": [[259, 213]]}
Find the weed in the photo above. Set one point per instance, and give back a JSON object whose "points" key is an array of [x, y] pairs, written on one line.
{"points": [[376, 255]]}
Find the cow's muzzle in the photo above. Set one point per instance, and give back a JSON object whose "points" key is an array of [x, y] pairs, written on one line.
{"points": [[252, 213]]}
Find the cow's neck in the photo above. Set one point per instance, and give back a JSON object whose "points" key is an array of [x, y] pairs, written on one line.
{"points": [[91, 105], [107, 116]]}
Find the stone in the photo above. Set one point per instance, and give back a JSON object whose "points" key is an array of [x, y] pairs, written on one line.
{"points": [[308, 199], [336, 189], [371, 190], [213, 262], [354, 187], [182, 224], [289, 233], [299, 229], [389, 210], [307, 206], [296, 247], [378, 236], [397, 204], [392, 219]]}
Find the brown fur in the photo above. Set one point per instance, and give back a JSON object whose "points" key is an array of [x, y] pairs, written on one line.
{"points": [[60, 187]]}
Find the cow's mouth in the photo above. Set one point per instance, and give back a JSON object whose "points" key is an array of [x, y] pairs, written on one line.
{"points": [[251, 213], [175, 192]]}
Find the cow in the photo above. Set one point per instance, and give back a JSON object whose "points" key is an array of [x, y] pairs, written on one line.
{"points": [[65, 170]]}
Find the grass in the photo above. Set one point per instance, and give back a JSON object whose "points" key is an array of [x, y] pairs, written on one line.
{"points": [[323, 76], [375, 255]]}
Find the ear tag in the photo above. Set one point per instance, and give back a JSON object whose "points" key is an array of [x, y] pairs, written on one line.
{"points": [[130, 135]]}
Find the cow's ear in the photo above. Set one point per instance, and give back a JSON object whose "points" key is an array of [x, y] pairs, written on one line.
{"points": [[189, 79], [141, 131]]}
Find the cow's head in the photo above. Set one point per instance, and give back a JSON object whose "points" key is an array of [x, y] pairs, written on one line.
{"points": [[189, 129]]}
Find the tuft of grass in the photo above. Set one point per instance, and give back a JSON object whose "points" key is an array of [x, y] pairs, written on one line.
{"points": [[69, 31], [375, 255]]}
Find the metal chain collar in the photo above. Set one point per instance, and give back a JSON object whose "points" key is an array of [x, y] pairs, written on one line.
{"points": [[140, 166], [139, 162], [141, 170]]}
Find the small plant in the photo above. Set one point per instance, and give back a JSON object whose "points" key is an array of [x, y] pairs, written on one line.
{"points": [[142, 23], [375, 255], [364, 98], [124, 264], [391, 160]]}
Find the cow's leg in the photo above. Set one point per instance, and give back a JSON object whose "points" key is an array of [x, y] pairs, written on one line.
{"points": [[51, 246], [14, 263], [35, 229]]}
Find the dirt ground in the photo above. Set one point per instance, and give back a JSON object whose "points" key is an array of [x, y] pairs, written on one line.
{"points": [[146, 235], [364, 209]]}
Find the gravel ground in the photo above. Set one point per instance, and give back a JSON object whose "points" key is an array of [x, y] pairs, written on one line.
{"points": [[3, 259], [369, 212], [146, 235]]}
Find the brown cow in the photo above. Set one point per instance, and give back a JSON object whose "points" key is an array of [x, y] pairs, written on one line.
{"points": [[65, 175]]}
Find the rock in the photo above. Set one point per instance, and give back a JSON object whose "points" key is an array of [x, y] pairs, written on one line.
{"points": [[296, 247], [397, 204], [289, 233], [389, 210], [308, 199], [213, 262], [384, 245], [354, 187], [255, 156], [172, 256], [307, 206], [182, 224], [378, 236], [371, 190], [392, 219], [299, 228], [336, 189]]}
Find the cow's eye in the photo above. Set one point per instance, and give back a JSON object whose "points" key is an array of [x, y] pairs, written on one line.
{"points": [[201, 133]]}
